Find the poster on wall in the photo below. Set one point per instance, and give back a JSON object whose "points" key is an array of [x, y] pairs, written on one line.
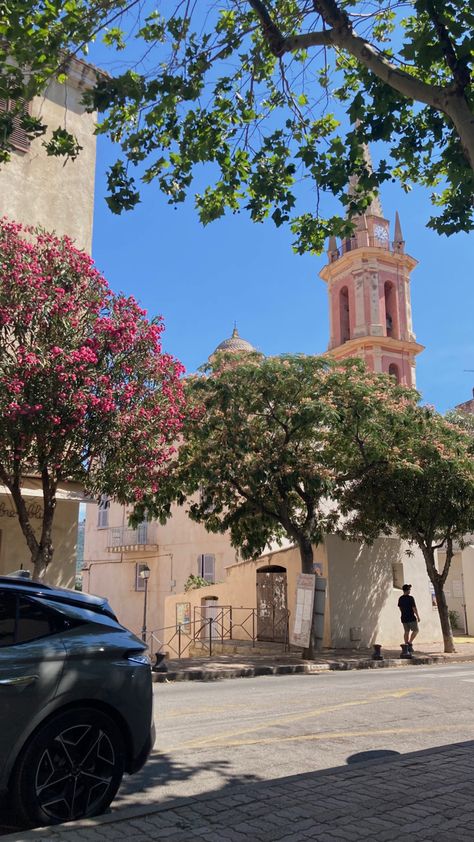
{"points": [[183, 616], [300, 631], [317, 568]]}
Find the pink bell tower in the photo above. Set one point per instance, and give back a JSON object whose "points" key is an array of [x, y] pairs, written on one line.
{"points": [[369, 297]]}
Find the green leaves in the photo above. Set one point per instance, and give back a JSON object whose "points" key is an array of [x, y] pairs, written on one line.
{"points": [[268, 124]]}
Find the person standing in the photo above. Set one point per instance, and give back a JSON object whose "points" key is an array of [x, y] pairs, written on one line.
{"points": [[409, 616]]}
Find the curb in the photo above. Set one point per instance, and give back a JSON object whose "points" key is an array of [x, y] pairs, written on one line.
{"points": [[306, 668]]}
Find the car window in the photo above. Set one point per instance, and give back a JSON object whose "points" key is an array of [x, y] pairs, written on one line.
{"points": [[34, 621], [7, 618], [23, 619]]}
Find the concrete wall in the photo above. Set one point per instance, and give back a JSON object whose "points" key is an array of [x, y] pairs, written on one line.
{"points": [[14, 551], [39, 190], [362, 596]]}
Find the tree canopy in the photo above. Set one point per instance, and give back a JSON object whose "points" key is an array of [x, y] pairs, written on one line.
{"points": [[268, 444], [423, 488], [86, 393], [272, 97]]}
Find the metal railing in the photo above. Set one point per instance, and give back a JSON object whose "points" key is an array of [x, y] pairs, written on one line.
{"points": [[226, 623], [123, 536]]}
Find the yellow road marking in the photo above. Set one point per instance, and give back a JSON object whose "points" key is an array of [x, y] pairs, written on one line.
{"points": [[335, 735], [397, 694]]}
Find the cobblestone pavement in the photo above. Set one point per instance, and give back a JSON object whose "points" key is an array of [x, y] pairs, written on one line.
{"points": [[426, 795]]}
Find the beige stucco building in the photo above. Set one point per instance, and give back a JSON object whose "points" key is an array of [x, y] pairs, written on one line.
{"points": [[39, 190], [36, 189], [14, 553]]}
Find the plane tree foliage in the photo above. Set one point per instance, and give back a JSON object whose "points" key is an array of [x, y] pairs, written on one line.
{"points": [[263, 107]]}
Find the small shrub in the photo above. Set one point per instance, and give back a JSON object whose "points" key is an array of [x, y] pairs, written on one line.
{"points": [[454, 619], [195, 582]]}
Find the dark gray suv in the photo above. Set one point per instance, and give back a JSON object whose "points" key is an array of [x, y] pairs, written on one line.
{"points": [[75, 702]]}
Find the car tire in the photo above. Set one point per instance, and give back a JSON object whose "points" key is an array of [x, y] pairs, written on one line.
{"points": [[71, 768]]}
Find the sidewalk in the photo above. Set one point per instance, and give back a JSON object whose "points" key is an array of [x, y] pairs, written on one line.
{"points": [[425, 796], [247, 665]]}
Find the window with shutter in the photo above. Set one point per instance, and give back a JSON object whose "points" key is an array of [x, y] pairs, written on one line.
{"points": [[139, 580], [207, 566], [103, 513], [18, 138]]}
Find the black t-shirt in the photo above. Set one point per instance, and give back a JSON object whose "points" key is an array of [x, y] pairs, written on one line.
{"points": [[406, 604]]}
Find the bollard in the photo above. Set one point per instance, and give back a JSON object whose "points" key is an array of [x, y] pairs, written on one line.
{"points": [[159, 666], [405, 647], [377, 654]]}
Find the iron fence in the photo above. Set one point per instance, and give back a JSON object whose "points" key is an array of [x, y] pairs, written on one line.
{"points": [[225, 623]]}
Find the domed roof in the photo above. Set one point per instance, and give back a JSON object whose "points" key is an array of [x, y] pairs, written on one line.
{"points": [[235, 343]]}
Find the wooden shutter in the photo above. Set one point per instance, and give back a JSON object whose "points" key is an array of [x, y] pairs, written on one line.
{"points": [[18, 138], [208, 565], [103, 513]]}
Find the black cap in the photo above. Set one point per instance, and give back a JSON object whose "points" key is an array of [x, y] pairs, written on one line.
{"points": [[406, 587]]}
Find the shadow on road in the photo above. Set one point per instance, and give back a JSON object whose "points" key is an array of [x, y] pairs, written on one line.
{"points": [[423, 795]]}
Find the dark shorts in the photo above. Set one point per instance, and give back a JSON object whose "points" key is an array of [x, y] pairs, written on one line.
{"points": [[413, 626]]}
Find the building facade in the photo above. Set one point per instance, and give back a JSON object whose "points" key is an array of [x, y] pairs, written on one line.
{"points": [[39, 190], [36, 189]]}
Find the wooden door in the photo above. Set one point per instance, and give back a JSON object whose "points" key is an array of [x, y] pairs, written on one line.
{"points": [[272, 605]]}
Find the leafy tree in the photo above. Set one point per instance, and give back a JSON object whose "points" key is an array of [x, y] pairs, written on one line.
{"points": [[262, 444], [86, 393], [258, 90], [423, 488]]}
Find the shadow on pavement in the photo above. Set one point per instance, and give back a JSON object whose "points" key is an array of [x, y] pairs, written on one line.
{"points": [[376, 754], [424, 795]]}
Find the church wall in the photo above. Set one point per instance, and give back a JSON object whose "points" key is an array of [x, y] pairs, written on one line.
{"points": [[362, 595]]}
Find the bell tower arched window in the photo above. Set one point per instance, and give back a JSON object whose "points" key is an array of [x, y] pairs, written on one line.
{"points": [[394, 371], [344, 319], [391, 312]]}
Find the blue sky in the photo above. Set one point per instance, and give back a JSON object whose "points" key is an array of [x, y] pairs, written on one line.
{"points": [[201, 280]]}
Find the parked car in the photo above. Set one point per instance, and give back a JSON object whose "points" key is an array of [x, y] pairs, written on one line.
{"points": [[75, 702]]}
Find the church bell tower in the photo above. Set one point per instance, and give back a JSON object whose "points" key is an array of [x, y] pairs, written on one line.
{"points": [[368, 280]]}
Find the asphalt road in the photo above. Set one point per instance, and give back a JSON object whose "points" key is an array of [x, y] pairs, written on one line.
{"points": [[243, 730], [212, 735]]}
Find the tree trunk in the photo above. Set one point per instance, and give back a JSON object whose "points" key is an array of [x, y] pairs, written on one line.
{"points": [[41, 550], [437, 580], [306, 553]]}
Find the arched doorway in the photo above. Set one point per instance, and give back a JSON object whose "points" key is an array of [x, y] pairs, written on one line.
{"points": [[272, 604]]}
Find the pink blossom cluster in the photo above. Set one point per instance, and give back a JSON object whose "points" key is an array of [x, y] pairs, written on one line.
{"points": [[84, 384]]}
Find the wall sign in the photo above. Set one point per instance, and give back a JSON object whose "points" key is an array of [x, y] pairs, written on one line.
{"points": [[300, 633], [33, 510]]}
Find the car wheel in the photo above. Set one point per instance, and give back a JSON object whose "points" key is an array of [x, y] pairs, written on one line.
{"points": [[70, 769]]}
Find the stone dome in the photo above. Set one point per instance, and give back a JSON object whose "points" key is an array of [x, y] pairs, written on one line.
{"points": [[235, 343]]}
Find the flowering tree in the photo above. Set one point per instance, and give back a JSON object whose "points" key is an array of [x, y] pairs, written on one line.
{"points": [[268, 443], [86, 393]]}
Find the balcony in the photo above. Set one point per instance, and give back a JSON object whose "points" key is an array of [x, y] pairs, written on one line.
{"points": [[122, 539]]}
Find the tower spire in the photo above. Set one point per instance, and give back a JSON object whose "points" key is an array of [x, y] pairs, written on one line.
{"points": [[375, 207], [398, 241]]}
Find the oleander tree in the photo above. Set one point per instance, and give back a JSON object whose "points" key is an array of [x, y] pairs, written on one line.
{"points": [[269, 104], [268, 444], [86, 392], [423, 489]]}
